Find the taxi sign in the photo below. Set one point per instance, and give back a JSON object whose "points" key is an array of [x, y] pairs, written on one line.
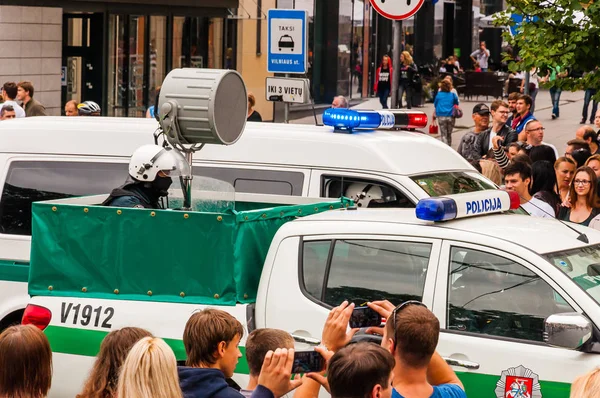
{"points": [[464, 205]]}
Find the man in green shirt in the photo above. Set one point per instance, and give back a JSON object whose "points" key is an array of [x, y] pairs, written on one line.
{"points": [[31, 106]]}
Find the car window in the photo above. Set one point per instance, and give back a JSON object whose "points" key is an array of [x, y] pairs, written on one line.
{"points": [[365, 192], [366, 270], [492, 295], [31, 181], [272, 182]]}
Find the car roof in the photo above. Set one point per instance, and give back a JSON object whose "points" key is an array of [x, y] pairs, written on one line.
{"points": [[396, 152], [540, 235]]}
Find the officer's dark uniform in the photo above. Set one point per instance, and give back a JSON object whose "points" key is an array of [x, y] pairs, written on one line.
{"points": [[133, 194]]}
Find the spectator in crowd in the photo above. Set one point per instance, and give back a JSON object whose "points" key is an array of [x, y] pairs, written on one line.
{"points": [[253, 115], [150, 370], [597, 119], [589, 93], [477, 67], [481, 56], [71, 108], [499, 128], [581, 205], [468, 147], [104, 376], [211, 339], [543, 185], [258, 343], [517, 178], [594, 163], [339, 102], [580, 132], [361, 370], [25, 95], [555, 73], [7, 112], [411, 334], [9, 94], [587, 385], [512, 150], [383, 81], [491, 170], [523, 117], [512, 107], [408, 69], [578, 150], [542, 152], [534, 85], [565, 170], [25, 362], [151, 112], [444, 104], [591, 137], [535, 135]]}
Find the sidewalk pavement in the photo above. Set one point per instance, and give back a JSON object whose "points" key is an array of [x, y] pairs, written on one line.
{"points": [[558, 131]]}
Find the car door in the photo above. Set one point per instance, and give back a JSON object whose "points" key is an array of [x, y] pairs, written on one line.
{"points": [[334, 268], [492, 305]]}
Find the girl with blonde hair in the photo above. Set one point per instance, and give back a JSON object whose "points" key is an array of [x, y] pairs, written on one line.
{"points": [[586, 386], [408, 69], [150, 370]]}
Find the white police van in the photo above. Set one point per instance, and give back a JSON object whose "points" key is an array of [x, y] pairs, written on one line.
{"points": [[517, 296], [59, 157]]}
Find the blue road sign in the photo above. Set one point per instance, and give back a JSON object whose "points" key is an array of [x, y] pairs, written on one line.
{"points": [[287, 47]]}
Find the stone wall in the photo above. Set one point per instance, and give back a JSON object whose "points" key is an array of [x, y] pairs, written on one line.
{"points": [[31, 49]]}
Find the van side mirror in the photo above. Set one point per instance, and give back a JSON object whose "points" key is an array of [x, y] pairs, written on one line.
{"points": [[593, 269], [567, 330]]}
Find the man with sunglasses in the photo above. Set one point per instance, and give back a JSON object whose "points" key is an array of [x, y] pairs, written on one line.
{"points": [[411, 334]]}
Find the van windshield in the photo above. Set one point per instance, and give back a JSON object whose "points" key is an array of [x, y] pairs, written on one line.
{"points": [[449, 183], [582, 265]]}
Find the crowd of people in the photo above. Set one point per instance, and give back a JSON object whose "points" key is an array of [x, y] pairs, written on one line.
{"points": [[132, 363], [511, 151]]}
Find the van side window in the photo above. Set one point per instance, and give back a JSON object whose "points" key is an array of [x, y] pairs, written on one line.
{"points": [[365, 270], [271, 182], [365, 192], [33, 181], [492, 295]]}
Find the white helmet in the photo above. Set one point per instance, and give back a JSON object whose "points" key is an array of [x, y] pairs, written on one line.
{"points": [[363, 193], [148, 160]]}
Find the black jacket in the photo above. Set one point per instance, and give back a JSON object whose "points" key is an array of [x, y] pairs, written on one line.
{"points": [[483, 140], [132, 194]]}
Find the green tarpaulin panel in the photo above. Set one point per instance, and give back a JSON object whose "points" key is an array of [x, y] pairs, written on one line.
{"points": [[160, 255]]}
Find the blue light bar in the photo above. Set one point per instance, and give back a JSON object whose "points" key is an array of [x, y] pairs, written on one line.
{"points": [[349, 120], [466, 205], [436, 209]]}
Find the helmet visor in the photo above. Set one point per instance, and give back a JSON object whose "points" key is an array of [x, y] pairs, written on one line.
{"points": [[171, 163]]}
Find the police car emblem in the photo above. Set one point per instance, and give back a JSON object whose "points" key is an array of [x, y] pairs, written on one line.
{"points": [[518, 382]]}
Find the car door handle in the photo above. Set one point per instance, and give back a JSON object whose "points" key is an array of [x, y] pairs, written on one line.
{"points": [[306, 340], [461, 363]]}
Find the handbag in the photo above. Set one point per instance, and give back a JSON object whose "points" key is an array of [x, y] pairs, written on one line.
{"points": [[457, 112], [433, 127]]}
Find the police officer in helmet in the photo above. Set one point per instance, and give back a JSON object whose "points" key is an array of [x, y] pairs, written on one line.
{"points": [[150, 170]]}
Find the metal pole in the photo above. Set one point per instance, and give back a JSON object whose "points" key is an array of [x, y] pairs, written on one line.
{"points": [[526, 85], [286, 108], [397, 28], [187, 183]]}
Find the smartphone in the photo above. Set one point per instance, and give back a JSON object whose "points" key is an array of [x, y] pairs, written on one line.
{"points": [[363, 317], [308, 361]]}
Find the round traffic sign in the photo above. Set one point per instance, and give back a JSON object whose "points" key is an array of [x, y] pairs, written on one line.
{"points": [[397, 9]]}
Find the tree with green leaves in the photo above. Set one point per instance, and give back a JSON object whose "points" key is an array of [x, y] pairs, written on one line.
{"points": [[562, 33]]}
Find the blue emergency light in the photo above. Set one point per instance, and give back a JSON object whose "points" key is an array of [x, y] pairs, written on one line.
{"points": [[466, 205], [349, 120]]}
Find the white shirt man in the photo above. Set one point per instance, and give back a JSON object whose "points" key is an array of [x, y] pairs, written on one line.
{"points": [[9, 93], [517, 177]]}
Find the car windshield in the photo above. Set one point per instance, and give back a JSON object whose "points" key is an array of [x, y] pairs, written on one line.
{"points": [[450, 183], [582, 265]]}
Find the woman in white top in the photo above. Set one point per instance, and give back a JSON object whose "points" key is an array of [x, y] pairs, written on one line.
{"points": [[534, 85]]}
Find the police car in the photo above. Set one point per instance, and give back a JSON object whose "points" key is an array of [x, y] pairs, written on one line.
{"points": [[517, 297]]}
